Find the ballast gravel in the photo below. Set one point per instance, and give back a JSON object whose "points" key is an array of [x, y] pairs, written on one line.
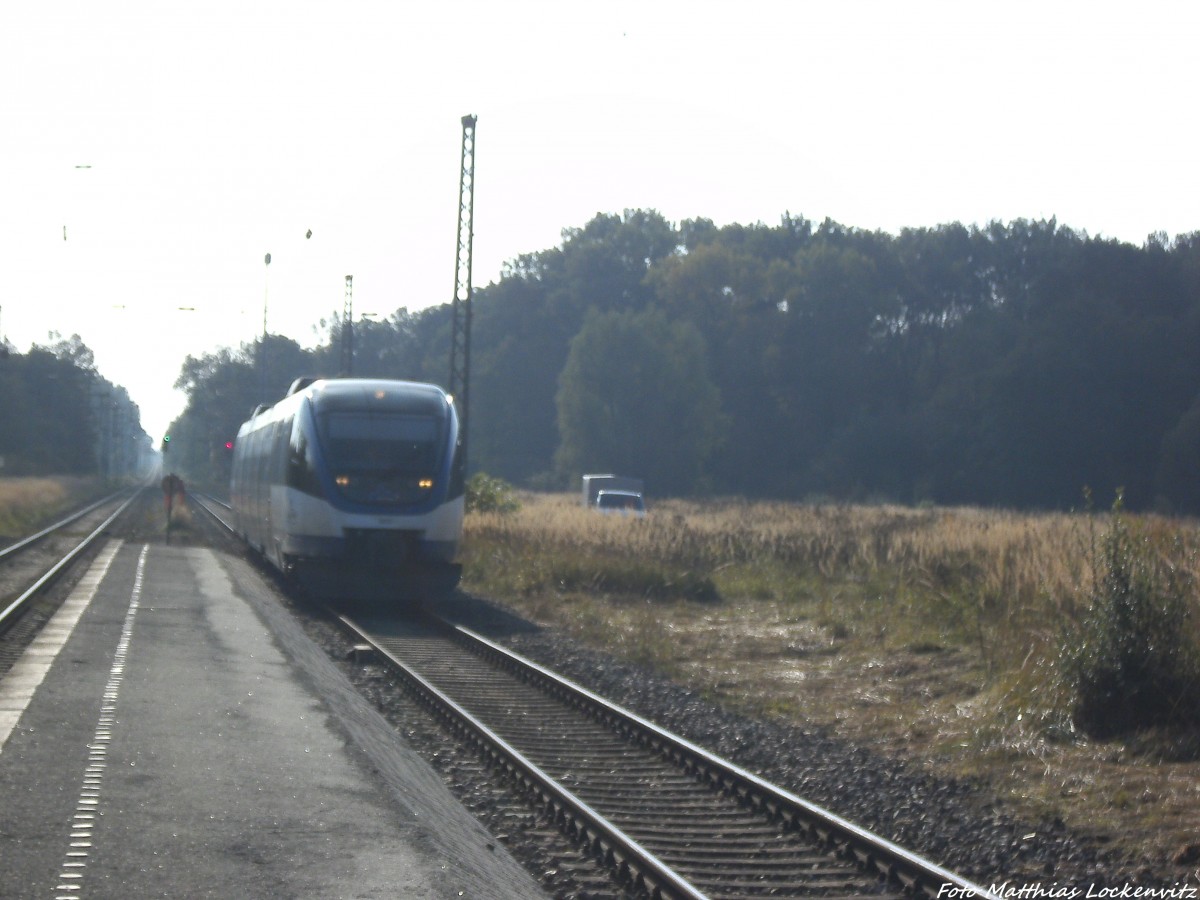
{"points": [[958, 824]]}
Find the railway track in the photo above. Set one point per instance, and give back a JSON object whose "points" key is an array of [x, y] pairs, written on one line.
{"points": [[665, 817], [29, 567], [668, 818]]}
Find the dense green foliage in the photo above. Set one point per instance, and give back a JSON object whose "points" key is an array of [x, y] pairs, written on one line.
{"points": [[1010, 364], [634, 381], [58, 416], [492, 495]]}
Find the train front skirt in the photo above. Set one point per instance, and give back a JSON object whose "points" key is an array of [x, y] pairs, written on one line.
{"points": [[413, 584]]}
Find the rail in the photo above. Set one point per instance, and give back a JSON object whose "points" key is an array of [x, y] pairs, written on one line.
{"points": [[654, 874], [9, 614]]}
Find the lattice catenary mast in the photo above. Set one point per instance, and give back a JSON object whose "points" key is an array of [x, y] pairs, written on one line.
{"points": [[348, 328], [460, 333]]}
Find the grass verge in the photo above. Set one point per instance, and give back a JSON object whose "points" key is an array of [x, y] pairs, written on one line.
{"points": [[29, 503]]}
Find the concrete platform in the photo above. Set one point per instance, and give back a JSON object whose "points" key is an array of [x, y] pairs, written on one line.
{"points": [[171, 734]]}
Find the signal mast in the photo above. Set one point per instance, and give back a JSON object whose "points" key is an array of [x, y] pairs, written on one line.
{"points": [[460, 330]]}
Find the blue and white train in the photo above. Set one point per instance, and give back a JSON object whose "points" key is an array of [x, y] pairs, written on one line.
{"points": [[355, 488]]}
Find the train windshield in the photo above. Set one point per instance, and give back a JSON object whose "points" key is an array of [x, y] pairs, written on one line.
{"points": [[382, 458]]}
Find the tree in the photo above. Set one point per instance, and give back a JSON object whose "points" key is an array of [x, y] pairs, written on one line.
{"points": [[606, 261], [60, 417], [1178, 478], [522, 333], [396, 347], [635, 397], [523, 327], [1007, 364]]}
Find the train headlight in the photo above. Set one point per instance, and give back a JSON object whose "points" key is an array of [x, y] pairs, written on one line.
{"points": [[342, 480], [425, 484]]}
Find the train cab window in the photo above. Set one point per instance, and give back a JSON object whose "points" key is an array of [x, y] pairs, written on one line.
{"points": [[382, 458]]}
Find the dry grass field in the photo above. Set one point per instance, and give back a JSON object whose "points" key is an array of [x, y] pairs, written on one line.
{"points": [[28, 502], [934, 634]]}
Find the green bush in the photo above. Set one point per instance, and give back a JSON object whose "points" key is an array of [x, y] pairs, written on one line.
{"points": [[1133, 661], [488, 494]]}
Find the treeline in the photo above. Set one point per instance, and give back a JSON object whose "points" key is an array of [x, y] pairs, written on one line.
{"points": [[1013, 364], [59, 416]]}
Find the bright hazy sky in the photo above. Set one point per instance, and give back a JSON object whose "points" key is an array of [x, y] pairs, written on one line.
{"points": [[217, 132]]}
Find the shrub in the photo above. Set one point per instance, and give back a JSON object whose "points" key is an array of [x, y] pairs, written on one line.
{"points": [[488, 494], [1133, 661]]}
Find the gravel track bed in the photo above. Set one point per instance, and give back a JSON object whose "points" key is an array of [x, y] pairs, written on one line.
{"points": [[528, 836], [19, 572], [957, 824]]}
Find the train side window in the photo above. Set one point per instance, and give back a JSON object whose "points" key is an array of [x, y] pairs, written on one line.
{"points": [[301, 466], [261, 448], [280, 432], [262, 487]]}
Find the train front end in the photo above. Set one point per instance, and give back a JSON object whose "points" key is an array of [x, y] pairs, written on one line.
{"points": [[375, 491]]}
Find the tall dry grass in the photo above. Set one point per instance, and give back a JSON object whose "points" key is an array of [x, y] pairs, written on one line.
{"points": [[27, 502], [1006, 586], [1008, 560]]}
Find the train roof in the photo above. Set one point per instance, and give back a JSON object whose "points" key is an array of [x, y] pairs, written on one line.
{"points": [[355, 394], [376, 394]]}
